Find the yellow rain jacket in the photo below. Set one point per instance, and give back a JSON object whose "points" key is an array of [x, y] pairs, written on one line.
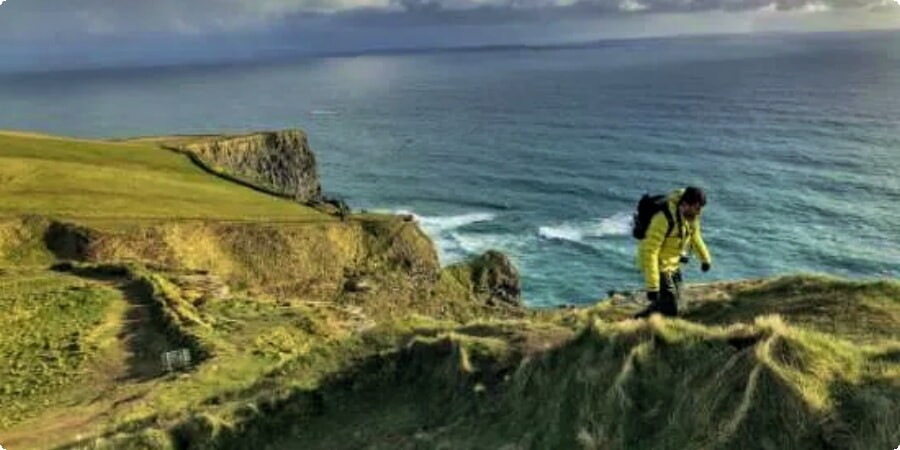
{"points": [[658, 253]]}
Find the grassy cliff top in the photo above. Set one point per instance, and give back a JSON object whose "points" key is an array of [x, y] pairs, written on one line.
{"points": [[60, 177], [315, 333]]}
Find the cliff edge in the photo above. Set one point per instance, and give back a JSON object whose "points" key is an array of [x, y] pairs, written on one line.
{"points": [[279, 162]]}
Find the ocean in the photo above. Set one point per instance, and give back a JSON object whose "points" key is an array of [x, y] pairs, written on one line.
{"points": [[542, 153]]}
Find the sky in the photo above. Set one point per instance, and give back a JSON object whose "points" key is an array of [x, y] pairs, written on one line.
{"points": [[47, 34]]}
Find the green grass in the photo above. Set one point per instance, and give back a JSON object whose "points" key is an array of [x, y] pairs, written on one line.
{"points": [[120, 180], [22, 242], [49, 321], [71, 370], [300, 375], [128, 202], [750, 380], [657, 384], [859, 311]]}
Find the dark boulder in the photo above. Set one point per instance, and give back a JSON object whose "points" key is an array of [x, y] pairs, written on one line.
{"points": [[496, 279]]}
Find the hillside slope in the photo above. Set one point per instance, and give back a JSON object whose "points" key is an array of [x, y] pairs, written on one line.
{"points": [[113, 252], [136, 202], [590, 379], [309, 331]]}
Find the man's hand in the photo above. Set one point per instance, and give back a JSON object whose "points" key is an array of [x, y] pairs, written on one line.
{"points": [[705, 267], [653, 295]]}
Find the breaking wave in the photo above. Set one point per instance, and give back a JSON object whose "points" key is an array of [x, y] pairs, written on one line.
{"points": [[618, 224], [448, 223], [454, 245]]}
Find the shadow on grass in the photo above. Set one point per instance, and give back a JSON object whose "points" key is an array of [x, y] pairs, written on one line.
{"points": [[383, 401], [68, 242], [143, 337]]}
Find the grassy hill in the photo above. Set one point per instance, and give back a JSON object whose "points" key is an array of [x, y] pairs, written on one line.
{"points": [[307, 331], [133, 201], [61, 177]]}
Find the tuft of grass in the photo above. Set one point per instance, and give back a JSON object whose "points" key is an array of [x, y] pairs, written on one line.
{"points": [[22, 242], [861, 311], [151, 439], [654, 383]]}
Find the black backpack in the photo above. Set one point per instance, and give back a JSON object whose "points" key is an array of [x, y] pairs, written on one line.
{"points": [[647, 207]]}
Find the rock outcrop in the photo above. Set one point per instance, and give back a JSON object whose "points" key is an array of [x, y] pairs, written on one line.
{"points": [[279, 162], [496, 279]]}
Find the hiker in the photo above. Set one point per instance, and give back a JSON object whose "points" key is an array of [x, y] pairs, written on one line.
{"points": [[668, 228]]}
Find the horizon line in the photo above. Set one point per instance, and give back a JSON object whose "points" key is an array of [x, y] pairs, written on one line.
{"points": [[293, 55]]}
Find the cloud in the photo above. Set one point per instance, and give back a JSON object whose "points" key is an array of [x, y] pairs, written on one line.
{"points": [[58, 18], [53, 34]]}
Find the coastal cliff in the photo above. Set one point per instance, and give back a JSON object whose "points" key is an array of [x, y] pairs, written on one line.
{"points": [[307, 330], [280, 162]]}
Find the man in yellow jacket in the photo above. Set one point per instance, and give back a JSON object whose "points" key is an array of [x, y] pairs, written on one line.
{"points": [[661, 251]]}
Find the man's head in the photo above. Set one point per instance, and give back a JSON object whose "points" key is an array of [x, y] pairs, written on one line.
{"points": [[692, 202]]}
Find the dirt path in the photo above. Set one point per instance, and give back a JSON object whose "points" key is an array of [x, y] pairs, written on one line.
{"points": [[121, 370]]}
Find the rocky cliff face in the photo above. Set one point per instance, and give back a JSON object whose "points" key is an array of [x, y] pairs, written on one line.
{"points": [[278, 162], [495, 278], [489, 280]]}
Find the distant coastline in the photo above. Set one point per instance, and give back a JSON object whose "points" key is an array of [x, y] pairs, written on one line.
{"points": [[269, 57]]}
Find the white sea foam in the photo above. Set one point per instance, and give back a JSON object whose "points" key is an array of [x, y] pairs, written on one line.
{"points": [[477, 243], [564, 232], [618, 224], [441, 224], [322, 112], [460, 245], [452, 244]]}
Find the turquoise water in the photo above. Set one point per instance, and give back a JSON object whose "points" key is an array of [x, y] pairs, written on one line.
{"points": [[542, 153]]}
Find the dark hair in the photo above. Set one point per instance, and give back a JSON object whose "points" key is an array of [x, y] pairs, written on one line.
{"points": [[694, 196]]}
